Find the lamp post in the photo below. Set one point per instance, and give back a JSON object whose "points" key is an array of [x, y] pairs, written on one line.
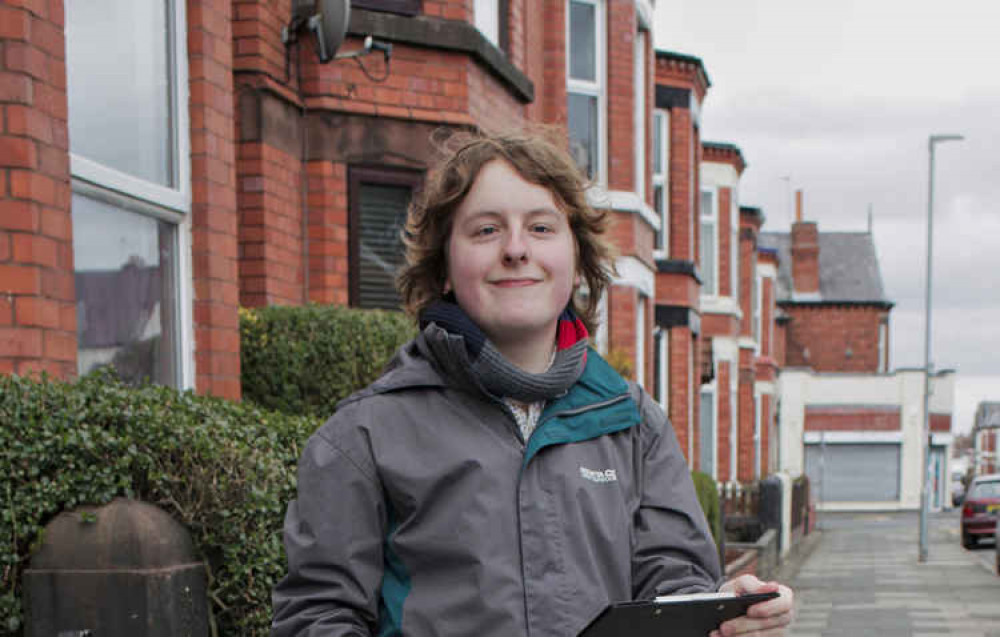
{"points": [[924, 491]]}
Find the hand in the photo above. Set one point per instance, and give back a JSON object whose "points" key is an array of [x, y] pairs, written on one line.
{"points": [[766, 619]]}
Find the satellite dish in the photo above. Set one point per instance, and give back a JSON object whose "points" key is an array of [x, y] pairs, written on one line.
{"points": [[327, 19]]}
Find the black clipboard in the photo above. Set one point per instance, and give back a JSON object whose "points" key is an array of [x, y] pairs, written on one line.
{"points": [[689, 618]]}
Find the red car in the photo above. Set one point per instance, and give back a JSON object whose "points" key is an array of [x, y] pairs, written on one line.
{"points": [[982, 503]]}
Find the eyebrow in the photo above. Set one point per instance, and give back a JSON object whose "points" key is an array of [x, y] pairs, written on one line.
{"points": [[496, 213]]}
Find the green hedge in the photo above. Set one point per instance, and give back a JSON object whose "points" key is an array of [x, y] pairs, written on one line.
{"points": [[224, 470], [708, 497], [303, 360]]}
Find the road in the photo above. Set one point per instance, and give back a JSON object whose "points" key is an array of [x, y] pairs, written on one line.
{"points": [[863, 578]]}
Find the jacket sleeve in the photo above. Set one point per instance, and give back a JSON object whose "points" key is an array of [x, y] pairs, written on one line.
{"points": [[333, 536], [673, 550]]}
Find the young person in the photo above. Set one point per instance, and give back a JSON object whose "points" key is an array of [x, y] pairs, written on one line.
{"points": [[500, 478]]}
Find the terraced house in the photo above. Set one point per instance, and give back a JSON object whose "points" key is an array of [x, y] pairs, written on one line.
{"points": [[164, 163]]}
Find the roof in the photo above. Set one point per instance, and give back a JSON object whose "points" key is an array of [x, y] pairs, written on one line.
{"points": [[988, 415], [674, 56], [848, 267]]}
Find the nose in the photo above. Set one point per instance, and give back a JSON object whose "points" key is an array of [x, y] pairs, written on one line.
{"points": [[515, 250]]}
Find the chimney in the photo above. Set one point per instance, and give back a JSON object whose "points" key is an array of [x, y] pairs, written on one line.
{"points": [[805, 252]]}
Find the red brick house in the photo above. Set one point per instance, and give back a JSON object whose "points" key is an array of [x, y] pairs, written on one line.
{"points": [[218, 164], [847, 421], [986, 438]]}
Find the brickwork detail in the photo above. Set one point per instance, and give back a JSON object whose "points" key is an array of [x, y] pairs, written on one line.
{"points": [[214, 222], [831, 338], [37, 296], [724, 420], [850, 418]]}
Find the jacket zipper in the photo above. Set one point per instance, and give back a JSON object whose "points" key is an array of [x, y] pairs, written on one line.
{"points": [[520, 475]]}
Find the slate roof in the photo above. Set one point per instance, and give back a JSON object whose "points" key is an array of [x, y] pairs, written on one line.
{"points": [[988, 416], [848, 267]]}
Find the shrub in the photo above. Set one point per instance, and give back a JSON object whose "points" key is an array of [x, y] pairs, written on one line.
{"points": [[303, 360], [224, 470], [708, 497]]}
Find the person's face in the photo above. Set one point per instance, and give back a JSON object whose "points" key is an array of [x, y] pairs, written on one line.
{"points": [[511, 256]]}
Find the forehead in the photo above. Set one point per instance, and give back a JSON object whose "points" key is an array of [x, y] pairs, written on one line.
{"points": [[499, 187]]}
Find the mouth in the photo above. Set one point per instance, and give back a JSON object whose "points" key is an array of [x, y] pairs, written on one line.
{"points": [[514, 283]]}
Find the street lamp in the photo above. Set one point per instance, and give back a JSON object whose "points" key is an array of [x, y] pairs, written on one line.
{"points": [[924, 491]]}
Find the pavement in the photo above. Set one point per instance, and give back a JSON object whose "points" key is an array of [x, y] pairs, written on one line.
{"points": [[859, 575]]}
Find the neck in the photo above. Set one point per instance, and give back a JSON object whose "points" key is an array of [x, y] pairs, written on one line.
{"points": [[533, 355]]}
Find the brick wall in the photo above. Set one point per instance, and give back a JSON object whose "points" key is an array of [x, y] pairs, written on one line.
{"points": [[940, 422], [622, 300], [723, 420], [680, 385], [746, 412], [766, 423], [766, 316], [328, 239], [833, 338], [214, 244], [683, 184], [849, 418], [621, 28], [37, 296], [270, 230]]}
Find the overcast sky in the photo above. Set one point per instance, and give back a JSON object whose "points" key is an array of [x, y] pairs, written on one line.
{"points": [[841, 97]]}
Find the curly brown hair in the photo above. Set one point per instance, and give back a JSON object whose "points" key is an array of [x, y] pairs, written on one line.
{"points": [[539, 159]]}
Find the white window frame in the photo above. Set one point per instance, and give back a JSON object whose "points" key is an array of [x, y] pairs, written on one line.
{"points": [[734, 245], [639, 122], [756, 435], [661, 338], [640, 339], [486, 14], [711, 389], [661, 123], [756, 325], [170, 204], [595, 88], [711, 216]]}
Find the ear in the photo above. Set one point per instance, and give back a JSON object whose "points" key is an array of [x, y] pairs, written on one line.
{"points": [[578, 280], [447, 286]]}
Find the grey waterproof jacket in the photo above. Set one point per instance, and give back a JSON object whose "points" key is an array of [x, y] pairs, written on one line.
{"points": [[422, 512]]}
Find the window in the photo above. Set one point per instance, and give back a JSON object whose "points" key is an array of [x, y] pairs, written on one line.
{"points": [[709, 244], [661, 170], [883, 347], [661, 371], [755, 307], [756, 437], [707, 425], [585, 85], [378, 201], [131, 185], [487, 16], [639, 126]]}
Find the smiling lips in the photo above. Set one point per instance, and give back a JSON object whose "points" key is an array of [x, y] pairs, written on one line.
{"points": [[515, 283]]}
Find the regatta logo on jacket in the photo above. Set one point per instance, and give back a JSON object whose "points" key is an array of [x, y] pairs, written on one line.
{"points": [[608, 475]]}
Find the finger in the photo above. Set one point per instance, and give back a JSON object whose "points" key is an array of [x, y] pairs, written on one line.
{"points": [[747, 625], [781, 604]]}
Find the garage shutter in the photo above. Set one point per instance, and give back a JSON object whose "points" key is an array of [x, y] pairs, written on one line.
{"points": [[853, 472]]}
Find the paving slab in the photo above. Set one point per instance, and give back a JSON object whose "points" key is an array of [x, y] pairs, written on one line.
{"points": [[862, 577]]}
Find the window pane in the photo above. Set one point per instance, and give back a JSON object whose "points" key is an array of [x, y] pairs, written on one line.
{"points": [[657, 143], [488, 20], [583, 132], [583, 41], [708, 257], [383, 214], [707, 424], [125, 292], [659, 203], [119, 84]]}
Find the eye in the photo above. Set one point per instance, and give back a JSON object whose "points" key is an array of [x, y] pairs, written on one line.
{"points": [[485, 231], [541, 228]]}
